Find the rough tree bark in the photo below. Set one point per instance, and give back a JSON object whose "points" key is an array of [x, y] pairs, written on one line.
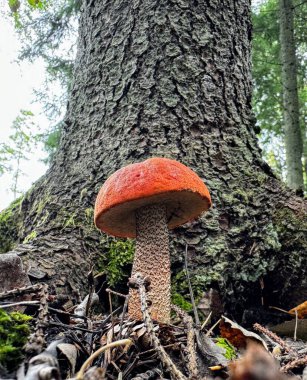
{"points": [[293, 136], [167, 78]]}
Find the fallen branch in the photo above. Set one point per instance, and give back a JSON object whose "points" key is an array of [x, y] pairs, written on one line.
{"points": [[191, 353], [20, 291]]}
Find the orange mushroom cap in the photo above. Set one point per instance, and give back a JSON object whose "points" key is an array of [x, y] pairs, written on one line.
{"points": [[156, 180]]}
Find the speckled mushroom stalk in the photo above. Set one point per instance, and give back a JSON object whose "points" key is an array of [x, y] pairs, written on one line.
{"points": [[144, 200], [152, 259]]}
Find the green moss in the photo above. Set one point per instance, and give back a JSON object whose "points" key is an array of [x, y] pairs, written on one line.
{"points": [[39, 210], [9, 225], [230, 351], [42, 204], [70, 221], [31, 236], [181, 292], [119, 253], [89, 215], [179, 300], [14, 332]]}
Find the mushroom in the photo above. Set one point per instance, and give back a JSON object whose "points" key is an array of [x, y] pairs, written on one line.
{"points": [[144, 200]]}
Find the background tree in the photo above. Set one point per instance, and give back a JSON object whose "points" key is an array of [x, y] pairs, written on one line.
{"points": [[293, 137], [21, 142], [168, 79], [268, 88]]}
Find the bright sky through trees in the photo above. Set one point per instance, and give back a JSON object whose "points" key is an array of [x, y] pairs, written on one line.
{"points": [[17, 82]]}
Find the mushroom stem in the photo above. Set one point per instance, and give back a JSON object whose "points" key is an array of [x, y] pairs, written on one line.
{"points": [[152, 259]]}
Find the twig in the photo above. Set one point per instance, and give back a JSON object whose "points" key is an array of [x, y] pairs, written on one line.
{"points": [[208, 333], [138, 281], [108, 290], [123, 316], [91, 293], [21, 303], [37, 339], [58, 311], [153, 350], [295, 328], [37, 303], [122, 342], [196, 316], [206, 321], [70, 327], [191, 353], [274, 337], [279, 309], [20, 291], [294, 364], [105, 321], [126, 296]]}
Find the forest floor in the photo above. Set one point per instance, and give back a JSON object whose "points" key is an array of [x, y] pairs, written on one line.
{"points": [[78, 342]]}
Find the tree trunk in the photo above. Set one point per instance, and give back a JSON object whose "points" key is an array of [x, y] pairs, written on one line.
{"points": [[168, 78], [293, 136]]}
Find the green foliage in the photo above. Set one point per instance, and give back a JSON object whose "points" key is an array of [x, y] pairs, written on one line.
{"points": [[48, 30], [118, 255], [14, 332], [21, 143], [230, 351], [38, 4]]}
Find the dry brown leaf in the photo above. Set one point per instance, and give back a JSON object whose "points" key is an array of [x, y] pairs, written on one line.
{"points": [[301, 310], [70, 352], [238, 336]]}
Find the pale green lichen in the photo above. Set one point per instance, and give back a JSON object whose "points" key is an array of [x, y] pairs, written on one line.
{"points": [[31, 236]]}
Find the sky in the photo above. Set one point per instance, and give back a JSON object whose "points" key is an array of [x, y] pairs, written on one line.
{"points": [[17, 82]]}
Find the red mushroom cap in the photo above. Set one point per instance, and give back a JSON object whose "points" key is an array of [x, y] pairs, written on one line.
{"points": [[156, 180]]}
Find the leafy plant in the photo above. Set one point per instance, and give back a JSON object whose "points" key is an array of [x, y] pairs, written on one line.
{"points": [[119, 254], [230, 351], [14, 332]]}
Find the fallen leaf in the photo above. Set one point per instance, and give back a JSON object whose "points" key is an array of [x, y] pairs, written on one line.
{"points": [[301, 310], [70, 352], [237, 335]]}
